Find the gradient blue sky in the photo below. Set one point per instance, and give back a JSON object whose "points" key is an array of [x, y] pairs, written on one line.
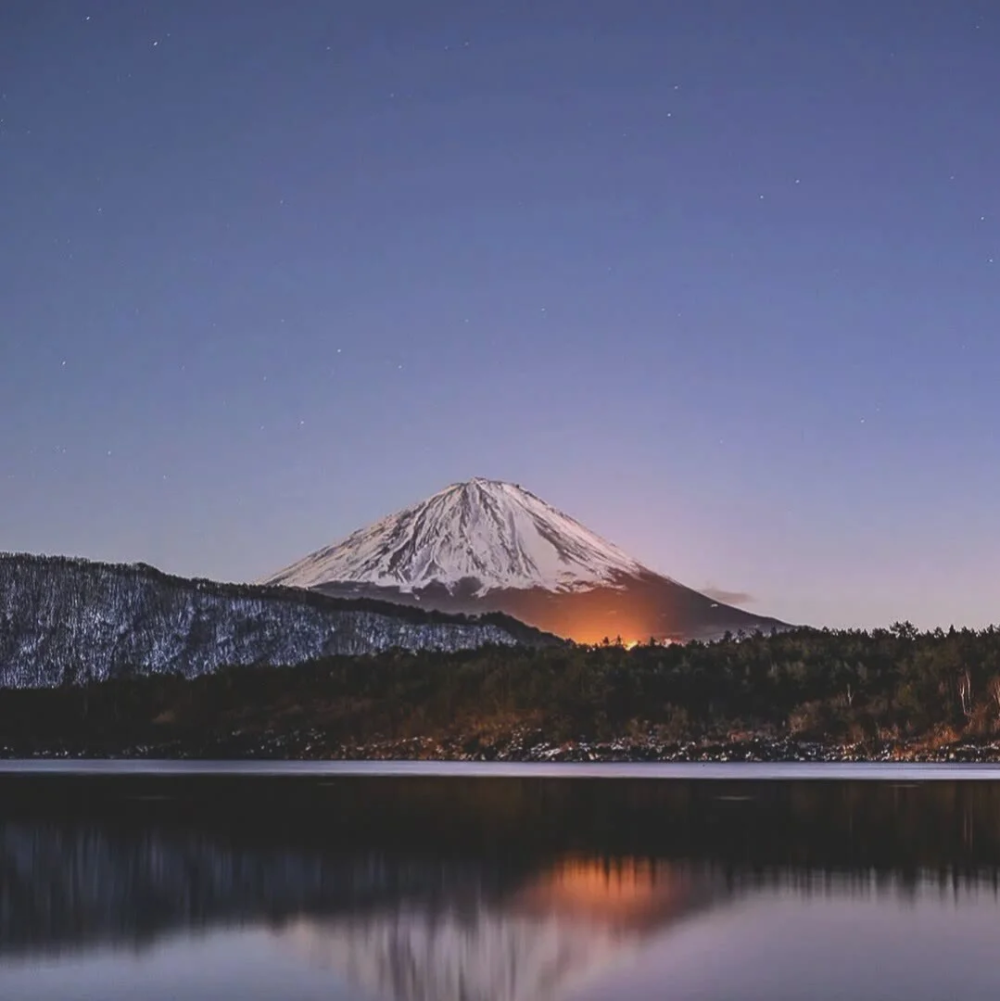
{"points": [[720, 279]]}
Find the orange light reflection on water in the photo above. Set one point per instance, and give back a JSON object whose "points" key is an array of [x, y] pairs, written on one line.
{"points": [[619, 889]]}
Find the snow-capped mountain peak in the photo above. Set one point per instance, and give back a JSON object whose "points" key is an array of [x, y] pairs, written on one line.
{"points": [[494, 533]]}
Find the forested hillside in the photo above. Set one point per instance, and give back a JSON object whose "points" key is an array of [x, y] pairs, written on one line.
{"points": [[890, 686]]}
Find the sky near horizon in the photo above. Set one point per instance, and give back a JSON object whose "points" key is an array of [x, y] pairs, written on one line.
{"points": [[718, 279]]}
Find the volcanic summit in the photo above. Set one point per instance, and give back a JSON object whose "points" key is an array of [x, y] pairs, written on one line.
{"points": [[486, 546]]}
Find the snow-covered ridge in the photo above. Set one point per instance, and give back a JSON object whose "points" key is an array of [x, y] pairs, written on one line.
{"points": [[497, 534], [64, 620]]}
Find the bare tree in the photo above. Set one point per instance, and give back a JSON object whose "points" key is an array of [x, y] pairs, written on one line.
{"points": [[965, 692], [994, 689]]}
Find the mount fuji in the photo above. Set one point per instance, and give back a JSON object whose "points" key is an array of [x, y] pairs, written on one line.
{"points": [[488, 546]]}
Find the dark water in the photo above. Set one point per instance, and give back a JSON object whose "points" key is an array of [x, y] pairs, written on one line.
{"points": [[332, 886]]}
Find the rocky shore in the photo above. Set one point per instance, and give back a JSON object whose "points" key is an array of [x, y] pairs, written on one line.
{"points": [[311, 745]]}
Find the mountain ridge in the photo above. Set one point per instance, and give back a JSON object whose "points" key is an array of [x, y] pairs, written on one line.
{"points": [[66, 619]]}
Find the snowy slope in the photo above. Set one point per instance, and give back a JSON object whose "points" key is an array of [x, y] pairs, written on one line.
{"points": [[495, 533], [64, 620]]}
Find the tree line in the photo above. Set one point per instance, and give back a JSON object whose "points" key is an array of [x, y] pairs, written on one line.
{"points": [[845, 686]]}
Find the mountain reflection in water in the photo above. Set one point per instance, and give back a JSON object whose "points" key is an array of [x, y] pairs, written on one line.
{"points": [[559, 929], [443, 890]]}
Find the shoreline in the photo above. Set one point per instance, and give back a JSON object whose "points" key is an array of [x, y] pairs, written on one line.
{"points": [[298, 747]]}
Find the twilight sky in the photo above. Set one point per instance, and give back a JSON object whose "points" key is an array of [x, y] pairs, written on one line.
{"points": [[720, 279]]}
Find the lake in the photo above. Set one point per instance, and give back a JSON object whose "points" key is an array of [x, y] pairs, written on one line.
{"points": [[418, 882]]}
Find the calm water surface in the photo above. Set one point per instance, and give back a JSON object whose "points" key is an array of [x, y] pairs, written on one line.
{"points": [[206, 883]]}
